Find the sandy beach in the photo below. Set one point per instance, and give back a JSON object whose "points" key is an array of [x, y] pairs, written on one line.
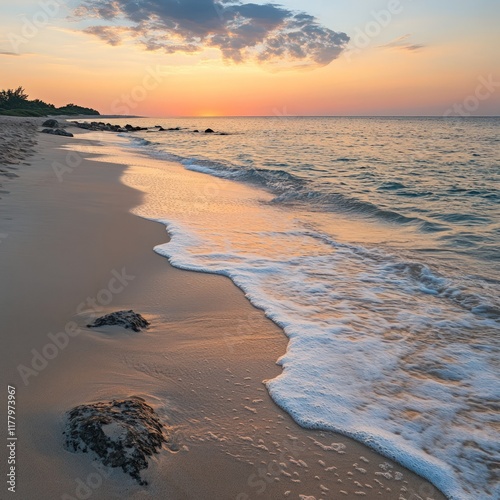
{"points": [[71, 249]]}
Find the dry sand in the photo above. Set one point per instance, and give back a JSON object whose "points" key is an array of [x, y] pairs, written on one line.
{"points": [[200, 365]]}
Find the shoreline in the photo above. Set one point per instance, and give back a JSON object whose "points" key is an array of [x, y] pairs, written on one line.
{"points": [[82, 227]]}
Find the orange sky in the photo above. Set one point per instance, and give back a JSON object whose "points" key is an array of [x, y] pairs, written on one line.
{"points": [[62, 64]]}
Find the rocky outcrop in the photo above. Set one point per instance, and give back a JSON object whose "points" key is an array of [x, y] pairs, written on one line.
{"points": [[127, 319], [159, 128], [51, 123], [108, 127], [58, 131], [122, 433]]}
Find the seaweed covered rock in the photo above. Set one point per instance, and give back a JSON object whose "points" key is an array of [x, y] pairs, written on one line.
{"points": [[127, 319], [58, 131], [122, 433], [51, 123]]}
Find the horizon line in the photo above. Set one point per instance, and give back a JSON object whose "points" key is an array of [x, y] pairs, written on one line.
{"points": [[299, 116]]}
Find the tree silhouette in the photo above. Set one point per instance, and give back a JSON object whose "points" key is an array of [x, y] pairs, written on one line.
{"points": [[13, 98], [16, 102]]}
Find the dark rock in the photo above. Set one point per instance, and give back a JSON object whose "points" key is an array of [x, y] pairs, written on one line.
{"points": [[122, 433], [58, 131], [62, 132], [83, 125], [51, 123], [127, 319], [209, 131], [196, 131]]}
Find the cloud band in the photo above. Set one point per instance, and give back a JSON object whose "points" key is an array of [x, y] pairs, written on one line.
{"points": [[241, 31]]}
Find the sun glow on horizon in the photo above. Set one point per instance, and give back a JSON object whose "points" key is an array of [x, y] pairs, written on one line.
{"points": [[407, 68], [208, 114]]}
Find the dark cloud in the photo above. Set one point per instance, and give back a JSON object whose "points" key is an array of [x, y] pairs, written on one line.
{"points": [[112, 35], [9, 53], [241, 31]]}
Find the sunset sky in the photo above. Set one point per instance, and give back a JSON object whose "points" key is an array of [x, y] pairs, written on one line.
{"points": [[296, 57]]}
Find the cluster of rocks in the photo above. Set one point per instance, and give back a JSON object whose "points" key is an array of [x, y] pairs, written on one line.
{"points": [[210, 131], [54, 128], [159, 128], [127, 319], [122, 433], [108, 127]]}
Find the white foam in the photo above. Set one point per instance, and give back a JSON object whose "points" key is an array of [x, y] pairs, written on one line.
{"points": [[195, 167]]}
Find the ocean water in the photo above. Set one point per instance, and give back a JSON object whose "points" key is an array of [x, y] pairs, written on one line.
{"points": [[375, 244]]}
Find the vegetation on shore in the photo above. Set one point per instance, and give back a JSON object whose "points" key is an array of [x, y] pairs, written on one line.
{"points": [[15, 102]]}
